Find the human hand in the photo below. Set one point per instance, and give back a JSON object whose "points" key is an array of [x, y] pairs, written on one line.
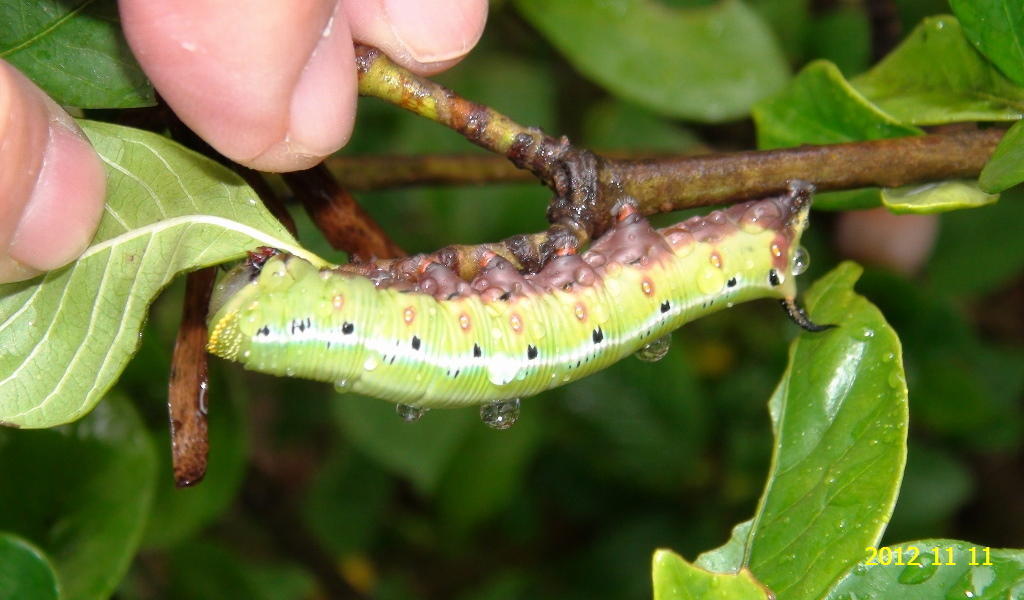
{"points": [[269, 84]]}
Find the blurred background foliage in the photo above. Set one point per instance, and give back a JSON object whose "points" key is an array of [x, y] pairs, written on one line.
{"points": [[309, 492]]}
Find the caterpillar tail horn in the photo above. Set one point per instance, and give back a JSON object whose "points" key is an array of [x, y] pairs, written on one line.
{"points": [[798, 316]]}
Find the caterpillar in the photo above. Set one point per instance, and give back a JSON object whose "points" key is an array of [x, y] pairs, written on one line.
{"points": [[440, 341]]}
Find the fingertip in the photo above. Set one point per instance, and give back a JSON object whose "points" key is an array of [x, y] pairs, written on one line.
{"points": [[65, 206], [425, 36], [323, 104]]}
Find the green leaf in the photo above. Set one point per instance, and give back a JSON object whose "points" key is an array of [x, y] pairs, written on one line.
{"points": [[996, 28], [420, 451], [943, 569], [82, 493], [980, 250], [936, 77], [820, 107], [727, 558], [936, 197], [843, 36], [69, 333], [25, 572], [1006, 167], [840, 421], [209, 570], [487, 472], [346, 504], [75, 51], [676, 579], [621, 126], [705, 64]]}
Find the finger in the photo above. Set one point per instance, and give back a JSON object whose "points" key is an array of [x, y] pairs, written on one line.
{"points": [[52, 183], [269, 84], [425, 36]]}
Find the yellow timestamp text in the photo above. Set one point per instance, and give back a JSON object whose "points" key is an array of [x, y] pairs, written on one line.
{"points": [[972, 556]]}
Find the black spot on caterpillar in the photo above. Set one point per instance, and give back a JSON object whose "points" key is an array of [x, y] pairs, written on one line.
{"points": [[506, 335]]}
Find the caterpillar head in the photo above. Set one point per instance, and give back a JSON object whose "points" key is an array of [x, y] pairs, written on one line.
{"points": [[799, 201], [266, 270]]}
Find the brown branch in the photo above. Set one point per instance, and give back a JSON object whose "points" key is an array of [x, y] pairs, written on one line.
{"points": [[336, 213], [360, 173], [588, 186], [672, 184], [186, 389]]}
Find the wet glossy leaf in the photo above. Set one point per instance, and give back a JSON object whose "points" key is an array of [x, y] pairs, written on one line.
{"points": [[71, 331], [820, 107], [25, 572], [82, 493], [996, 28], [936, 77], [75, 51], [936, 197], [943, 569], [1006, 167], [840, 421], [676, 579], [705, 64]]}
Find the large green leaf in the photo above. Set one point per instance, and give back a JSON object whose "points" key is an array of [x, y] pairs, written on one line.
{"points": [[69, 333], [927, 569], [676, 579], [25, 572], [74, 50], [82, 493], [936, 77], [705, 64], [820, 107], [996, 28], [840, 421]]}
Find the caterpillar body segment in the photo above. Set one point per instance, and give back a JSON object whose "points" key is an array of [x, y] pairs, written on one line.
{"points": [[440, 341]]}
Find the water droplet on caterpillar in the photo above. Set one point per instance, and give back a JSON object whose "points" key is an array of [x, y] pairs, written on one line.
{"points": [[710, 280], [409, 413], [801, 261], [501, 414], [342, 385], [656, 350]]}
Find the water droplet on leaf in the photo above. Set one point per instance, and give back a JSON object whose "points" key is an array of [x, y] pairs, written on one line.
{"points": [[914, 574]]}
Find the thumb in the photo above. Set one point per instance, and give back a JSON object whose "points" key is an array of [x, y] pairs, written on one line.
{"points": [[51, 182]]}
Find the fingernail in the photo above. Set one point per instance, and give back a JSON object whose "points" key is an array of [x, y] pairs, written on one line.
{"points": [[433, 31], [65, 206]]}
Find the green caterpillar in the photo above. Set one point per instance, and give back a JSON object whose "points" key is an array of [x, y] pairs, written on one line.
{"points": [[440, 341]]}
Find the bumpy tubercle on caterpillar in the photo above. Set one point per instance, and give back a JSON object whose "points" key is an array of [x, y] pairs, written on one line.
{"points": [[498, 338]]}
